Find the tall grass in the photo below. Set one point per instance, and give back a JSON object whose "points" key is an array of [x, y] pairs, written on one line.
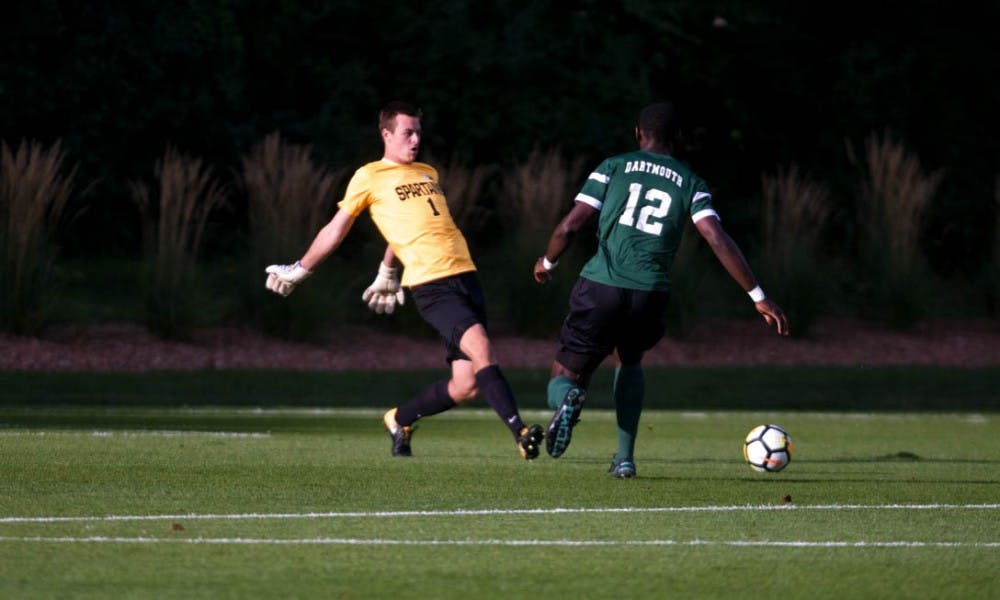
{"points": [[33, 195], [796, 211], [174, 218], [289, 198], [533, 196], [465, 188], [993, 271], [687, 277], [894, 197]]}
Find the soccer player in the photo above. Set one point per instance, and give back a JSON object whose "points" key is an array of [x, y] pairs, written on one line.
{"points": [[409, 209], [643, 199]]}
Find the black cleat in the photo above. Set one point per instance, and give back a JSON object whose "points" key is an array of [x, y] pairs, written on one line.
{"points": [[528, 441], [400, 435], [560, 430]]}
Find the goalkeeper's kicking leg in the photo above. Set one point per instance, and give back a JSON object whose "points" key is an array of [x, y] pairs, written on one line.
{"points": [[465, 384], [454, 307]]}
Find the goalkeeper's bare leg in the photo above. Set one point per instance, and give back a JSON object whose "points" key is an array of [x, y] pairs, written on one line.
{"points": [[456, 308], [479, 374], [489, 381]]}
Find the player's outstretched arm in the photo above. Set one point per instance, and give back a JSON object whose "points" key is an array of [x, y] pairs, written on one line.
{"points": [[282, 279], [384, 293], [561, 237], [731, 257]]}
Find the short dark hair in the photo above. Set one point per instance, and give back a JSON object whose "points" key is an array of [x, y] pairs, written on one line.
{"points": [[659, 121], [387, 115]]}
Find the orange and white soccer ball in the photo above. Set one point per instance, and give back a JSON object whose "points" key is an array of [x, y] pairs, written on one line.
{"points": [[767, 448]]}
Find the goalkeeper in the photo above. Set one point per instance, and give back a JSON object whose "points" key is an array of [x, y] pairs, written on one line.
{"points": [[409, 209]]}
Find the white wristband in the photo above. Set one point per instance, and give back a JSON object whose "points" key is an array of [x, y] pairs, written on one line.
{"points": [[756, 294], [548, 265]]}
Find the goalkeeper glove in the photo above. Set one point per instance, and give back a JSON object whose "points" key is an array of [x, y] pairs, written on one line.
{"points": [[384, 293], [282, 279]]}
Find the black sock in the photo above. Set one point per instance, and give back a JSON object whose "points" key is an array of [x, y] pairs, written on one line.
{"points": [[493, 386], [433, 400]]}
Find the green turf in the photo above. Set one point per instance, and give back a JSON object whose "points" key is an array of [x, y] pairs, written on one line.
{"points": [[216, 502]]}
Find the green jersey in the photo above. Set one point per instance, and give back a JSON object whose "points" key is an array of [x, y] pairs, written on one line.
{"points": [[644, 199]]}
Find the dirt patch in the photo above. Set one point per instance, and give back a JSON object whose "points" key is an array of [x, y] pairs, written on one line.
{"points": [[128, 347]]}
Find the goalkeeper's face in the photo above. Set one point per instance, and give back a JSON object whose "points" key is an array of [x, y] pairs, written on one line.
{"points": [[403, 142]]}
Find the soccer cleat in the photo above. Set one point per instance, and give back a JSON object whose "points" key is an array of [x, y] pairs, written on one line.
{"points": [[560, 429], [622, 469], [400, 435], [528, 441]]}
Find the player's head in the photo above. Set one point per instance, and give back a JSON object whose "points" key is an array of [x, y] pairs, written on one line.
{"points": [[399, 125], [657, 124]]}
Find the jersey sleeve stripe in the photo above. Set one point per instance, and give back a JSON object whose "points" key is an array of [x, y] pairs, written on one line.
{"points": [[590, 200], [600, 178], [701, 214], [699, 195]]}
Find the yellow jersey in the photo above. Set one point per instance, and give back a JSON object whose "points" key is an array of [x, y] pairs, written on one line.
{"points": [[408, 207]]}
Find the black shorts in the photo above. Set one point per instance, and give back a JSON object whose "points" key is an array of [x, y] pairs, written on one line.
{"points": [[451, 305], [603, 318]]}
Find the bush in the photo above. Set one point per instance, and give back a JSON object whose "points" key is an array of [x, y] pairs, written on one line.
{"points": [[289, 199], [533, 197], [33, 195], [796, 212], [465, 187], [174, 221], [690, 273], [894, 197], [993, 270]]}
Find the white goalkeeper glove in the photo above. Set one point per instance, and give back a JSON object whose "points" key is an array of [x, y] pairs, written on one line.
{"points": [[282, 279], [384, 293]]}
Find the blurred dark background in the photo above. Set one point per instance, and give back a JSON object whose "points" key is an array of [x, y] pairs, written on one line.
{"points": [[758, 85]]}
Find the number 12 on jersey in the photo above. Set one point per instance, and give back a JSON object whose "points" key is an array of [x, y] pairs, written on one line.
{"points": [[651, 214]]}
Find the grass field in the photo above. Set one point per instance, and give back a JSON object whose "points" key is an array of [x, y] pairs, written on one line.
{"points": [[181, 499]]}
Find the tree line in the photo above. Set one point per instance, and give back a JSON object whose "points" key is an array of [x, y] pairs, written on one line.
{"points": [[761, 86]]}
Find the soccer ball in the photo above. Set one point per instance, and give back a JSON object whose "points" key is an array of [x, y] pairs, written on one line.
{"points": [[767, 448]]}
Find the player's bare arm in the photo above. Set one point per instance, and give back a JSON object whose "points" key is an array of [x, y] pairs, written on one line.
{"points": [[389, 257], [282, 279], [735, 263], [328, 239], [561, 238]]}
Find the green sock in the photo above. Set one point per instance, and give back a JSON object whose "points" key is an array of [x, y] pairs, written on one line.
{"points": [[629, 390], [559, 386]]}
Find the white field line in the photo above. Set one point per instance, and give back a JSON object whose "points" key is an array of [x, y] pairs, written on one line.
{"points": [[168, 433], [496, 542], [494, 512]]}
